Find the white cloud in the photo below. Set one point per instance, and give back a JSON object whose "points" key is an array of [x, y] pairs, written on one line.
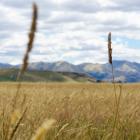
{"points": [[75, 31]]}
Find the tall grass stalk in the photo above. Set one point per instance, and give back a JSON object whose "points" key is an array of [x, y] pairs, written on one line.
{"points": [[33, 29], [111, 63], [116, 105]]}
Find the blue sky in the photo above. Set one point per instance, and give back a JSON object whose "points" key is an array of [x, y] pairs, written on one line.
{"points": [[70, 30]]}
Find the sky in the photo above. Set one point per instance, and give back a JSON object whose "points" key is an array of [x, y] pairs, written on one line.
{"points": [[70, 30]]}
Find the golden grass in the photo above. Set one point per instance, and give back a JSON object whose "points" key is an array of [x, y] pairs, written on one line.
{"points": [[82, 111]]}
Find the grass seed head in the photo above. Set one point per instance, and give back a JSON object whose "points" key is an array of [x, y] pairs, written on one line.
{"points": [[109, 48]]}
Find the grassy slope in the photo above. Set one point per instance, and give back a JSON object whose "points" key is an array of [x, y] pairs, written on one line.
{"points": [[47, 76]]}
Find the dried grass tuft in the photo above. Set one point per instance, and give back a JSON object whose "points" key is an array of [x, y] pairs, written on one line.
{"points": [[43, 130], [15, 117], [17, 123]]}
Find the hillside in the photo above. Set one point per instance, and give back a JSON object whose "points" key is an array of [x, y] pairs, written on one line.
{"points": [[44, 76]]}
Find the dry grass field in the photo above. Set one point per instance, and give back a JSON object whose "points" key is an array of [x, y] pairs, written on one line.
{"points": [[69, 112]]}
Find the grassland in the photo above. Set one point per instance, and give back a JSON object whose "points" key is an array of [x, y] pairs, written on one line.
{"points": [[81, 111]]}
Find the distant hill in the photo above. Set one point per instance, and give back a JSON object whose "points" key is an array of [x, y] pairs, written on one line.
{"points": [[44, 76], [2, 65], [125, 71]]}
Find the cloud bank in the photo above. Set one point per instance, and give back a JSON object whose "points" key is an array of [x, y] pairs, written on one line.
{"points": [[69, 30]]}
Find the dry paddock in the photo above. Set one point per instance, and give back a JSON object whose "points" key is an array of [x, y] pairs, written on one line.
{"points": [[81, 111]]}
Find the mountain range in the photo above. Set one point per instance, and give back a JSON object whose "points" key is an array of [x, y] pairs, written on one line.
{"points": [[124, 71]]}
